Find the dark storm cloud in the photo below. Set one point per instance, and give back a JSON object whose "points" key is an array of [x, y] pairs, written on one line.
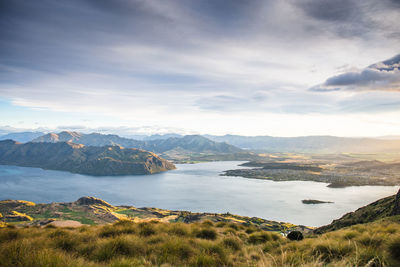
{"points": [[383, 76]]}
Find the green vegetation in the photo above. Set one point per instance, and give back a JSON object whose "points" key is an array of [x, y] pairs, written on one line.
{"points": [[126, 243], [92, 211]]}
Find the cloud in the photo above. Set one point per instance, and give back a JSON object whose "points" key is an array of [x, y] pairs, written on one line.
{"points": [[353, 18], [135, 62], [382, 76]]}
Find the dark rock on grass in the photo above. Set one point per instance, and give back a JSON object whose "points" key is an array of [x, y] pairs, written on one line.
{"points": [[295, 235]]}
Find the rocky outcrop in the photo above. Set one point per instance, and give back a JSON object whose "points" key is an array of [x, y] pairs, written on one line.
{"points": [[88, 201]]}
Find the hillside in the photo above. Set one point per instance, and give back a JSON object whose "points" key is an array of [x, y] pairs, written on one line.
{"points": [[310, 144], [77, 158], [385, 207], [205, 240], [188, 143], [93, 211]]}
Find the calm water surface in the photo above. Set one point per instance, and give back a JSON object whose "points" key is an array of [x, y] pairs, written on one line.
{"points": [[194, 187]]}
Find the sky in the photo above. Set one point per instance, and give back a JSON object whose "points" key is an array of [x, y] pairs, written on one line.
{"points": [[272, 67]]}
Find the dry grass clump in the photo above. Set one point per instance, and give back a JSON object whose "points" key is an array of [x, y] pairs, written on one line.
{"points": [[199, 244]]}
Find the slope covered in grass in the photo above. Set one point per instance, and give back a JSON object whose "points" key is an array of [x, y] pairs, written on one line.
{"points": [[126, 243], [382, 208]]}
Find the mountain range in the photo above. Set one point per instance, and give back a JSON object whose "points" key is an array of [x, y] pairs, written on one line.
{"points": [[77, 158], [211, 143], [310, 144], [188, 143]]}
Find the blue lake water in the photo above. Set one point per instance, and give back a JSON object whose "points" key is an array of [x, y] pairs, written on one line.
{"points": [[194, 187]]}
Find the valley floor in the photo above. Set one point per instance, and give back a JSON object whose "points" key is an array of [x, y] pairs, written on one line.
{"points": [[340, 170]]}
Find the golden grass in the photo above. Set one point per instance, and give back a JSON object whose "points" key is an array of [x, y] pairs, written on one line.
{"points": [[127, 243]]}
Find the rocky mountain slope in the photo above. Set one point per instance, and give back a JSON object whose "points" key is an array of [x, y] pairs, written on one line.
{"points": [[77, 158]]}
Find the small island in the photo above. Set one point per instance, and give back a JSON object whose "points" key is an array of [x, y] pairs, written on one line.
{"points": [[314, 201]]}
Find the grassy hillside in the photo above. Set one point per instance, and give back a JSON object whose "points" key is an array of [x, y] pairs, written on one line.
{"points": [[92, 211], [126, 243], [154, 237], [382, 208]]}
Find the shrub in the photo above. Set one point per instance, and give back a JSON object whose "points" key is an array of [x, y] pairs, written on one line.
{"points": [[66, 243], [8, 235], [113, 231], [250, 230], [175, 250], [220, 224], [58, 233], [373, 241], [118, 247], [329, 251], [204, 260], [178, 229], [210, 234], [233, 226], [350, 235], [207, 223], [259, 238], [124, 223], [295, 235], [394, 248], [147, 230], [232, 243]]}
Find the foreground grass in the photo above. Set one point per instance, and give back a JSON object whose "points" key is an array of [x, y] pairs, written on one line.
{"points": [[199, 244]]}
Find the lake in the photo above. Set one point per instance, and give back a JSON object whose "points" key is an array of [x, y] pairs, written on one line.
{"points": [[194, 187]]}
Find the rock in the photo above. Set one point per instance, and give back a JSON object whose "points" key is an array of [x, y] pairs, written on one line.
{"points": [[87, 201], [314, 201], [295, 235], [66, 223]]}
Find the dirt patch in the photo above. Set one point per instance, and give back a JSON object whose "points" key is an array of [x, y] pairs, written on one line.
{"points": [[66, 223]]}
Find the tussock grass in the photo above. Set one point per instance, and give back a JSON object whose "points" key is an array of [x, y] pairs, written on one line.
{"points": [[199, 244]]}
